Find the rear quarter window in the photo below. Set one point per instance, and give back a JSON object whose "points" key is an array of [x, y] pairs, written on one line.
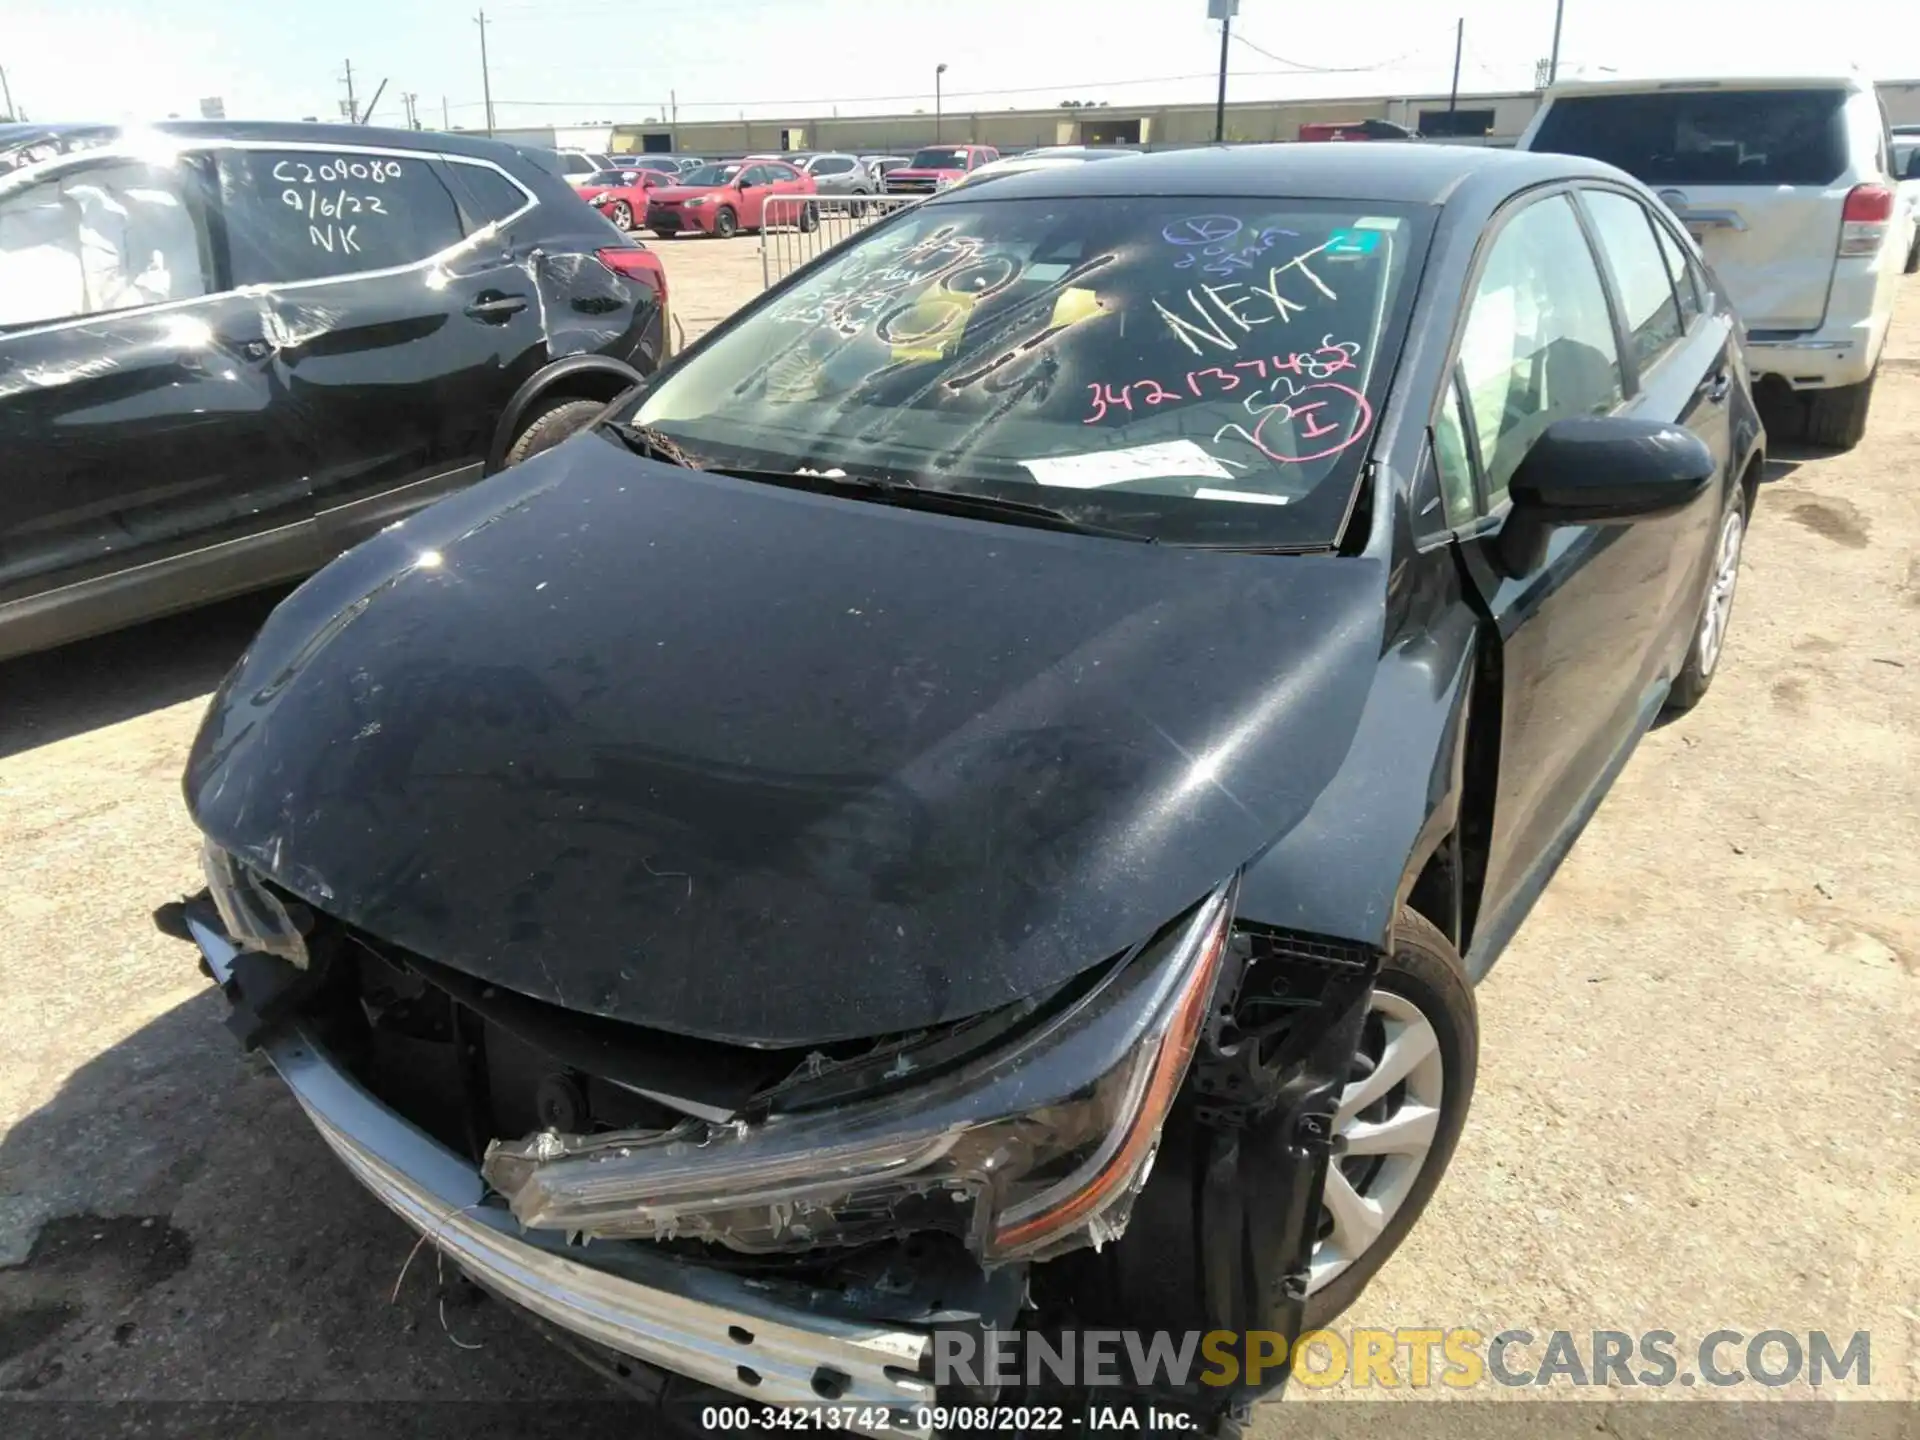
{"points": [[1706, 137], [487, 196]]}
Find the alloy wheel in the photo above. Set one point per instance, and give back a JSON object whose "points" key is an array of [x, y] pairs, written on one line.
{"points": [[1388, 1118], [1726, 578], [622, 214]]}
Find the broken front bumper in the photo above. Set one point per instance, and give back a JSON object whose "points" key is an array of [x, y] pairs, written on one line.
{"points": [[712, 1327]]}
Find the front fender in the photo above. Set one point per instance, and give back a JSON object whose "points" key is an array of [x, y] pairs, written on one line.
{"points": [[591, 376], [1345, 868]]}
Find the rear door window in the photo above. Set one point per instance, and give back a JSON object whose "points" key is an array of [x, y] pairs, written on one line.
{"points": [[1706, 137], [318, 214], [1685, 277], [1640, 275]]}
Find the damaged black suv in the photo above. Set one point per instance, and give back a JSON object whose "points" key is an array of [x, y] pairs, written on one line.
{"points": [[229, 351], [978, 798]]}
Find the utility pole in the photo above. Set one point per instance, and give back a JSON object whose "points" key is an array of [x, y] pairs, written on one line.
{"points": [[486, 80], [410, 99], [353, 108], [673, 99], [1223, 11], [6, 91], [938, 71], [373, 104], [1553, 58], [1453, 95], [446, 120]]}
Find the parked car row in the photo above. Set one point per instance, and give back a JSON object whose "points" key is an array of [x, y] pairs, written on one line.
{"points": [[230, 351]]}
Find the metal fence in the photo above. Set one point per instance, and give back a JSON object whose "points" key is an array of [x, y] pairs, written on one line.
{"points": [[798, 227]]}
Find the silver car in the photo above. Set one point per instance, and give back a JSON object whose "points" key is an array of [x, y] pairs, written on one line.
{"points": [[835, 173]]}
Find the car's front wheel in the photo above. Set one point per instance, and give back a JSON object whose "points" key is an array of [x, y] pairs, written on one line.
{"points": [[726, 223], [1400, 1115], [622, 215], [1198, 1255]]}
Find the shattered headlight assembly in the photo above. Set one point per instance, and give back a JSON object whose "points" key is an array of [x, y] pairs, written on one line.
{"points": [[254, 917], [1035, 1148]]}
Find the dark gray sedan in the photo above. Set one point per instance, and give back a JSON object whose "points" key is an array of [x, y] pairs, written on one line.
{"points": [[980, 796]]}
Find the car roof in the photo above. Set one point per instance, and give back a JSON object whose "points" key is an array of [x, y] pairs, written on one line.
{"points": [[1408, 172], [1785, 80], [479, 147]]}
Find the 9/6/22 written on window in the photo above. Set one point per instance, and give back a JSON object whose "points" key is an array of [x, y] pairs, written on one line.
{"points": [[311, 214]]}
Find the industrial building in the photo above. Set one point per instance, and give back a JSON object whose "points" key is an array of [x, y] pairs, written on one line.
{"points": [[1490, 118]]}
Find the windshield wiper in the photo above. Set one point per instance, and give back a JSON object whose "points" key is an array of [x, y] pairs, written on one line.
{"points": [[649, 442], [891, 490]]}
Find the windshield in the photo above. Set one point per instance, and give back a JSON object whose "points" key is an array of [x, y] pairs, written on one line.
{"points": [[1206, 371], [940, 158], [613, 177], [1706, 137], [711, 175]]}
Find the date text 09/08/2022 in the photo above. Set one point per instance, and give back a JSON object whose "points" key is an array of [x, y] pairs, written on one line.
{"points": [[948, 1419]]}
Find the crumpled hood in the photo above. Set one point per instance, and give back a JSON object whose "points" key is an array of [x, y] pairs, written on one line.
{"points": [[773, 767]]}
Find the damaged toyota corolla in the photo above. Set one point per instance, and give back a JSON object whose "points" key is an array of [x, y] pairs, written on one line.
{"points": [[977, 798]]}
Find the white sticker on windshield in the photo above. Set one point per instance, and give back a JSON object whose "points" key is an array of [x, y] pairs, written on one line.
{"points": [[1245, 497], [1166, 460]]}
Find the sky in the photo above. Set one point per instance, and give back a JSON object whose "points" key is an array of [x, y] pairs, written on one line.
{"points": [[589, 61]]}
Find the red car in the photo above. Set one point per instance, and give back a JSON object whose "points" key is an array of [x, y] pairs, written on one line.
{"points": [[726, 197], [937, 166], [621, 195]]}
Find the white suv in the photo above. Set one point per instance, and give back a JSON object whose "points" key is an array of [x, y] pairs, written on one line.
{"points": [[1787, 186]]}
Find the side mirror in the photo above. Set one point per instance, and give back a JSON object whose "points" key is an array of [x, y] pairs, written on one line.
{"points": [[1605, 470]]}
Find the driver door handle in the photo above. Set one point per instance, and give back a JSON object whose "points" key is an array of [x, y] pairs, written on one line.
{"points": [[494, 308]]}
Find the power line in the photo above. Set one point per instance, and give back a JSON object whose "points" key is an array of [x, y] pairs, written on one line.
{"points": [[1302, 67], [1061, 87]]}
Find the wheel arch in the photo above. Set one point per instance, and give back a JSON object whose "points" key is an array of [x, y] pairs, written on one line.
{"points": [[573, 377]]}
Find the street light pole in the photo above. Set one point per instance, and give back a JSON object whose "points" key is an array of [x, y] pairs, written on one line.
{"points": [[1223, 11], [1453, 95], [486, 80], [1553, 58], [938, 71]]}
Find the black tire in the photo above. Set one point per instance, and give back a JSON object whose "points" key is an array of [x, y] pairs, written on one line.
{"points": [[726, 224], [660, 234], [809, 219], [1703, 664], [1913, 258], [1152, 1278], [622, 215], [1837, 418], [553, 421]]}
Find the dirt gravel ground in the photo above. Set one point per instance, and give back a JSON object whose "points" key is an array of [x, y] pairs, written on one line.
{"points": [[1700, 1067]]}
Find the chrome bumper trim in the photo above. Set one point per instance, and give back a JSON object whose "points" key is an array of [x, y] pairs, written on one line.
{"points": [[683, 1319]]}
